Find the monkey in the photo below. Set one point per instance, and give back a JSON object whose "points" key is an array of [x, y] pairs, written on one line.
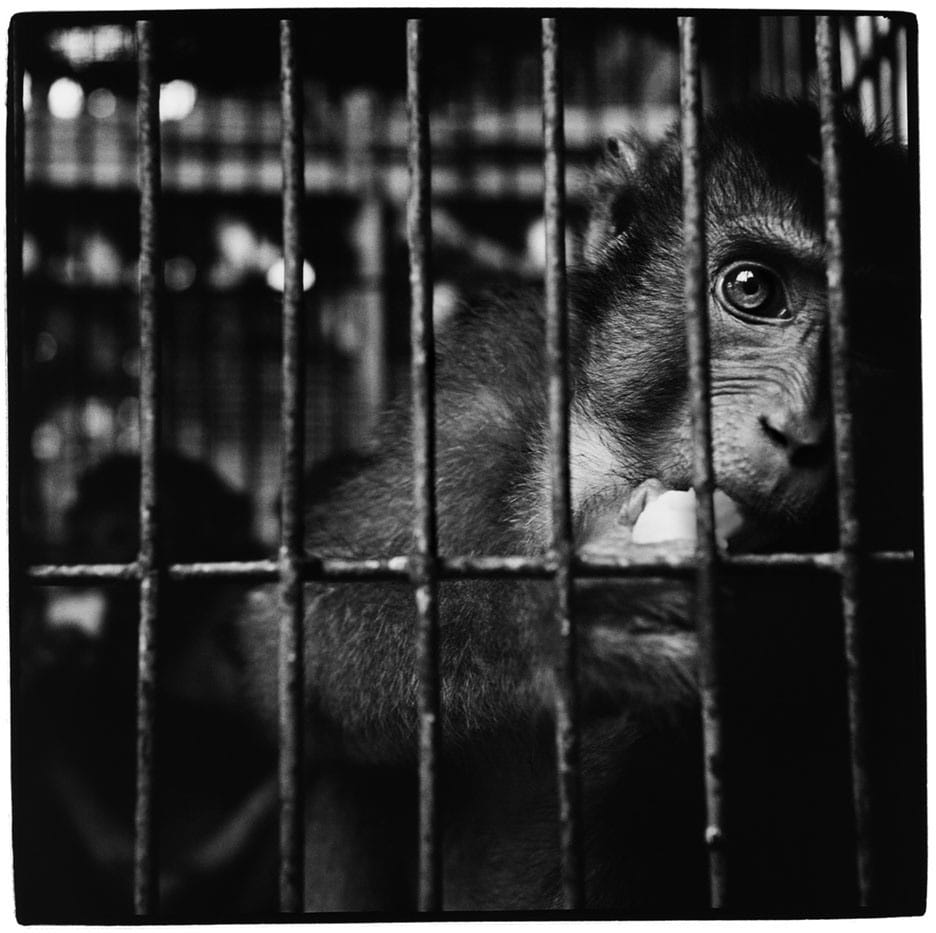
{"points": [[77, 688], [631, 440]]}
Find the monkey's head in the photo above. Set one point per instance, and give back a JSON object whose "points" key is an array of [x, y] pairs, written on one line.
{"points": [[769, 327], [768, 318]]}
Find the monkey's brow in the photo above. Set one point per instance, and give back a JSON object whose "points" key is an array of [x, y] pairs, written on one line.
{"points": [[774, 231]]}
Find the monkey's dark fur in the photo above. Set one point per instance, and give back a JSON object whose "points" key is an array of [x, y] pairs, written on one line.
{"points": [[789, 823]]}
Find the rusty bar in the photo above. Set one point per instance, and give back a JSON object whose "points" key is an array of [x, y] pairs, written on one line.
{"points": [[422, 373], [389, 569], [145, 887], [72, 574], [557, 351], [696, 294], [293, 443], [827, 54]]}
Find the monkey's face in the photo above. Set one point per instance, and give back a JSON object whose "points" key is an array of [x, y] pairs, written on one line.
{"points": [[631, 438], [768, 319], [770, 398]]}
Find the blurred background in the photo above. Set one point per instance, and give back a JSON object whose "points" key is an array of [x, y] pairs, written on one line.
{"points": [[74, 365]]}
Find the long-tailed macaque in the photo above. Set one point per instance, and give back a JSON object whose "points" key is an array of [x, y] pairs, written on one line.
{"points": [[790, 835]]}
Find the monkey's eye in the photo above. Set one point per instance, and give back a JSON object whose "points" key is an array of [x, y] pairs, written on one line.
{"points": [[752, 292]]}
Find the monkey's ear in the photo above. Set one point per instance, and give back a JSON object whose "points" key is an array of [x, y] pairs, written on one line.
{"points": [[612, 194], [625, 153]]}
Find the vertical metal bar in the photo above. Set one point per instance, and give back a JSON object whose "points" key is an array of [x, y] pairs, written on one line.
{"points": [[827, 54], [883, 44], [293, 445], [424, 563], [145, 887], [867, 82], [910, 91], [894, 104], [904, 63], [696, 294], [557, 349]]}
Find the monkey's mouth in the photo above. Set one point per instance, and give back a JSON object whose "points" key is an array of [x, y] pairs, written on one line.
{"points": [[655, 519], [652, 523]]}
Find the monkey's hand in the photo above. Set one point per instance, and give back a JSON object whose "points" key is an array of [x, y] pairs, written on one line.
{"points": [[637, 636]]}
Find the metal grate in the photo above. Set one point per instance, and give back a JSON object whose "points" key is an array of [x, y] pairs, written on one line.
{"points": [[425, 567]]}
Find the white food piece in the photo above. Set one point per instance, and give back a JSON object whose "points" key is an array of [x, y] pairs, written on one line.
{"points": [[669, 517], [672, 517]]}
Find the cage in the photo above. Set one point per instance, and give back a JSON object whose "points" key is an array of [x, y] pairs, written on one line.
{"points": [[231, 238]]}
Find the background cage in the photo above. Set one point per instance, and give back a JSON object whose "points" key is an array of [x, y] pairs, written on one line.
{"points": [[76, 387]]}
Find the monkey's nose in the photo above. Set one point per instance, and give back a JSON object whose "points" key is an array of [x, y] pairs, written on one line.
{"points": [[804, 438]]}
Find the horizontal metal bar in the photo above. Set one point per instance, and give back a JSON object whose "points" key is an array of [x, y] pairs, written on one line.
{"points": [[72, 574], [386, 569]]}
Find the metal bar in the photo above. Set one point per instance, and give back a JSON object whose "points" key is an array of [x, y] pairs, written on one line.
{"points": [[557, 352], [886, 80], [696, 294], [388, 569], [145, 885], [72, 574], [293, 444], [875, 54], [904, 65], [894, 104], [424, 564], [867, 76], [827, 54]]}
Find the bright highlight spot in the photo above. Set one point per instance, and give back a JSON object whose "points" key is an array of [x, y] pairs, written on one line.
{"points": [[176, 100], [276, 276], [65, 99]]}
